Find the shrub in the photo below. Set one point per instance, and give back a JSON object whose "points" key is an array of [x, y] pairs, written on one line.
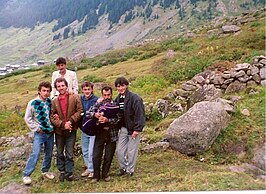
{"points": [[148, 84]]}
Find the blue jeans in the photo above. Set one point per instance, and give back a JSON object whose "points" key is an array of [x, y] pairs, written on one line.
{"points": [[87, 144], [65, 152], [40, 139]]}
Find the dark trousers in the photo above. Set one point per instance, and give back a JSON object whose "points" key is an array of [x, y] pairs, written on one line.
{"points": [[103, 143], [65, 152]]}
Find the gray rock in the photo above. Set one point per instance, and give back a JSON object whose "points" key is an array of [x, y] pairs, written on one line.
{"points": [[230, 29], [263, 62], [245, 112], [263, 73], [226, 75], [254, 70], [206, 93], [234, 87], [242, 66], [240, 73], [228, 81], [14, 188], [245, 78], [234, 99], [256, 78], [218, 80], [263, 82], [260, 157], [182, 93], [196, 130], [159, 146], [198, 79], [251, 83], [188, 87]]}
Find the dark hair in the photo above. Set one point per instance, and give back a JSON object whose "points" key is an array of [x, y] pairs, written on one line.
{"points": [[87, 84], [45, 84], [60, 79], [60, 60], [106, 88], [121, 81]]}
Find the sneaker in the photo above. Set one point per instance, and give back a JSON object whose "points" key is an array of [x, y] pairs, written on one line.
{"points": [[107, 179], [26, 180], [94, 180], [85, 173], [62, 176], [90, 175], [122, 172], [48, 175]]}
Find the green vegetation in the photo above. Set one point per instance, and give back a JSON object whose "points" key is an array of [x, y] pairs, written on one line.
{"points": [[153, 75]]}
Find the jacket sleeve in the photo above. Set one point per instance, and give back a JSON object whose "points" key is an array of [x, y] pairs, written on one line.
{"points": [[52, 83], [139, 114], [29, 118], [56, 122], [75, 83], [79, 109]]}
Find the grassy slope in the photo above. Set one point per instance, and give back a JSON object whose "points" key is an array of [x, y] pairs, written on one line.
{"points": [[160, 171]]}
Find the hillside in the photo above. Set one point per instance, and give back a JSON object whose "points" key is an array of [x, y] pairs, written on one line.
{"points": [[155, 70], [35, 30]]}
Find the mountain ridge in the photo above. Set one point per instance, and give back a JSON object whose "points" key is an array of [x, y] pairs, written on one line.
{"points": [[44, 41]]}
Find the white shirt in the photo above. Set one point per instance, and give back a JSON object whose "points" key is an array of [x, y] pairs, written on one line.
{"points": [[71, 78]]}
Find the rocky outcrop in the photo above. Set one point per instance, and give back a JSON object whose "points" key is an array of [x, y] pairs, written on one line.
{"points": [[197, 129], [209, 85]]}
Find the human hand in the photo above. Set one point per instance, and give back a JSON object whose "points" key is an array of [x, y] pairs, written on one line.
{"points": [[134, 134], [103, 119], [68, 125], [56, 116]]}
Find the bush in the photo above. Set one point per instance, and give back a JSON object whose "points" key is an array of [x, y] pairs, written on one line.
{"points": [[148, 84]]}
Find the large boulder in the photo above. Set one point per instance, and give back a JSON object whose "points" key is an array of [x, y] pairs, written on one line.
{"points": [[196, 130]]}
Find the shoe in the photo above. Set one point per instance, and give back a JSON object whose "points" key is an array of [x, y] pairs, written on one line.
{"points": [[90, 175], [122, 172], [85, 173], [71, 178], [26, 180], [62, 176], [48, 175], [107, 179], [94, 180], [130, 173]]}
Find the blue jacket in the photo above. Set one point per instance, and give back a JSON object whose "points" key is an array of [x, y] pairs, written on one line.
{"points": [[87, 103]]}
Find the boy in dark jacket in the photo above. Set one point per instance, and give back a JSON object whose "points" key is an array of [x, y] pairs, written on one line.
{"points": [[132, 124]]}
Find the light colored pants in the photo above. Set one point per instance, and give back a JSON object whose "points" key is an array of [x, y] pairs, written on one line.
{"points": [[87, 144], [127, 150]]}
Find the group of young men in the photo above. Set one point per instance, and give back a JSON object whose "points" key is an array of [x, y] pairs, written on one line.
{"points": [[107, 126]]}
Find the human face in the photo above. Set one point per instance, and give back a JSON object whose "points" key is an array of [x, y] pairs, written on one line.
{"points": [[107, 94], [87, 91], [121, 89], [44, 93], [62, 68], [61, 87]]}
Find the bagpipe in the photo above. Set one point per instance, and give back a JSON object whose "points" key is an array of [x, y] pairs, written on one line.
{"points": [[109, 110]]}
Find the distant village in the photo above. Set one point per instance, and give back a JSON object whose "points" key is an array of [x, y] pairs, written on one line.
{"points": [[9, 68]]}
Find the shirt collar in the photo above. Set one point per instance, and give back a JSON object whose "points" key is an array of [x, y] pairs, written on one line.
{"points": [[61, 97]]}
